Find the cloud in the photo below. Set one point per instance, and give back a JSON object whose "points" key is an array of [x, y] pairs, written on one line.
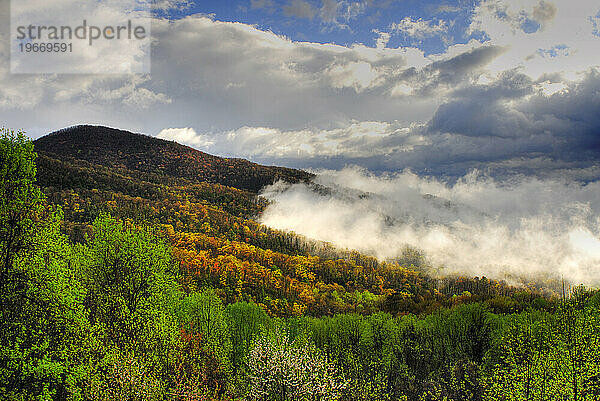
{"points": [[341, 12], [528, 105], [509, 125], [299, 9], [513, 106], [521, 101], [419, 28], [520, 230], [452, 72], [329, 10], [267, 5], [382, 39], [103, 57], [166, 5], [185, 135], [446, 8], [544, 12], [267, 79], [533, 29], [359, 139], [358, 75]]}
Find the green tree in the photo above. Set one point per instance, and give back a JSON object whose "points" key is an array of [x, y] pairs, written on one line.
{"points": [[579, 350], [522, 363], [203, 313], [20, 199], [43, 325], [205, 358], [132, 287], [45, 337], [245, 321]]}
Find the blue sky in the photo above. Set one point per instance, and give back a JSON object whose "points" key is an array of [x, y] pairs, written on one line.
{"points": [[348, 22]]}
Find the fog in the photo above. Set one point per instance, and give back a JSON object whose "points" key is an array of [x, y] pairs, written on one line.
{"points": [[517, 229]]}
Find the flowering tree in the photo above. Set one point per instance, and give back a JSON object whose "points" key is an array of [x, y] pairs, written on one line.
{"points": [[281, 370], [126, 379]]}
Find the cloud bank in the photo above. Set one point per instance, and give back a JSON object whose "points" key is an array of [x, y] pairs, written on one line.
{"points": [[520, 230]]}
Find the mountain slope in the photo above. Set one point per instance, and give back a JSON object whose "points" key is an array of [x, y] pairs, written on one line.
{"points": [[115, 148], [94, 171]]}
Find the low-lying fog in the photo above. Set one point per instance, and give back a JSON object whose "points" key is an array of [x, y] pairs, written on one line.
{"points": [[526, 228]]}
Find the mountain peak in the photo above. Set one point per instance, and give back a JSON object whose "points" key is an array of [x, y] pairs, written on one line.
{"points": [[113, 147]]}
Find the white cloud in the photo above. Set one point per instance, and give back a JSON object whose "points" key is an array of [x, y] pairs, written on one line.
{"points": [[420, 28], [340, 12], [358, 75], [256, 94], [520, 101], [120, 55], [533, 29], [382, 39], [359, 139], [447, 9], [185, 135], [166, 5]]}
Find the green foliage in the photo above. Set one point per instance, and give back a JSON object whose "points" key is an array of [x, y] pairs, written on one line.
{"points": [[180, 297], [43, 326], [131, 283], [44, 332], [125, 378], [203, 314], [20, 200], [540, 355], [245, 322]]}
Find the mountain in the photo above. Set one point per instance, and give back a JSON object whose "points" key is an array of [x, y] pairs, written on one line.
{"points": [[114, 148], [206, 207]]}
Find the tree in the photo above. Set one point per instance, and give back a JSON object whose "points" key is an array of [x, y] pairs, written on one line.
{"points": [[281, 370], [522, 365], [20, 199], [132, 284], [246, 321], [45, 337], [43, 326], [579, 352], [202, 313]]}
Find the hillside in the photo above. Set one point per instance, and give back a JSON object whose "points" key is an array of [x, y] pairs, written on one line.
{"points": [[115, 148], [212, 226]]}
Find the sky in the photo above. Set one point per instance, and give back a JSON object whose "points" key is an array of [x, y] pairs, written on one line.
{"points": [[440, 88]]}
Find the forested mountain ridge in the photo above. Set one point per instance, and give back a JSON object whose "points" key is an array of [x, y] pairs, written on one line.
{"points": [[212, 227], [122, 149]]}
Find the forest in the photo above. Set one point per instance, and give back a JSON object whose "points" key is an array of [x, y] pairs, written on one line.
{"points": [[135, 269]]}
